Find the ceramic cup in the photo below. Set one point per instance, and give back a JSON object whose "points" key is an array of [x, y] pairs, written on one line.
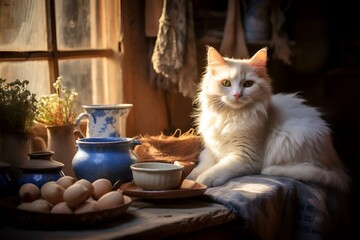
{"points": [[107, 120], [160, 175], [155, 176]]}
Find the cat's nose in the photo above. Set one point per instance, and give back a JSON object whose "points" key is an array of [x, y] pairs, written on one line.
{"points": [[237, 95]]}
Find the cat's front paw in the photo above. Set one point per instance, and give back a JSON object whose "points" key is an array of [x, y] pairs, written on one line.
{"points": [[210, 181], [192, 176]]}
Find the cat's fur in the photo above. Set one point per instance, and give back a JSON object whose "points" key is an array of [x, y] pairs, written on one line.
{"points": [[248, 130]]}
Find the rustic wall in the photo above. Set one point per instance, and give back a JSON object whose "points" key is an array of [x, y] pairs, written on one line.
{"points": [[154, 111]]}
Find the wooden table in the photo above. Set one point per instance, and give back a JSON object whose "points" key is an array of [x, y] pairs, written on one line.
{"points": [[154, 219]]}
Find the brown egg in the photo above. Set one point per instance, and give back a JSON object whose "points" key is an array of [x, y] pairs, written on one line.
{"points": [[101, 186], [52, 192], [29, 192], [25, 206], [62, 208], [40, 205], [87, 184], [110, 200], [66, 181], [76, 194], [89, 205]]}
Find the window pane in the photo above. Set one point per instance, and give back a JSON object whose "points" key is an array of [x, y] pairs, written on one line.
{"points": [[37, 72], [23, 25], [87, 77], [80, 25]]}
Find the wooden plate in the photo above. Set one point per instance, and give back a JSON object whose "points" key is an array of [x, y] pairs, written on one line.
{"points": [[188, 188], [39, 220]]}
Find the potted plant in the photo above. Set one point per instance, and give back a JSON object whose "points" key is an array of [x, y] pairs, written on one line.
{"points": [[58, 113], [17, 115], [17, 107]]}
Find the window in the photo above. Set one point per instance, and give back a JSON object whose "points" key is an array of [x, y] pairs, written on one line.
{"points": [[76, 39]]}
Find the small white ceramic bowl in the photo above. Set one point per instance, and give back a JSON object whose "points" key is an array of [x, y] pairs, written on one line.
{"points": [[156, 175]]}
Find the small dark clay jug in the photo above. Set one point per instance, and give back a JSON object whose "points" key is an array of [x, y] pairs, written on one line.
{"points": [[40, 169]]}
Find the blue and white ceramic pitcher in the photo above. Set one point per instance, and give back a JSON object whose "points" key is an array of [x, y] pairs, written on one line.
{"points": [[107, 120]]}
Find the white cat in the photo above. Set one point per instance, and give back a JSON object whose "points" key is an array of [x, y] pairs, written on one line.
{"points": [[248, 130]]}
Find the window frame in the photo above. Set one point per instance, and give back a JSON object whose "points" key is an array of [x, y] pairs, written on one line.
{"points": [[54, 55]]}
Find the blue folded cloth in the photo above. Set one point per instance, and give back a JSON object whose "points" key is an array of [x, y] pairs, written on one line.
{"points": [[280, 207]]}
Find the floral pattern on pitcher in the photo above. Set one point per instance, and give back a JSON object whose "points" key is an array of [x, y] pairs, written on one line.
{"points": [[103, 120]]}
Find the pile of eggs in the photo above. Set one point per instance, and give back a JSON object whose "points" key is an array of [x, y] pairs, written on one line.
{"points": [[68, 195]]}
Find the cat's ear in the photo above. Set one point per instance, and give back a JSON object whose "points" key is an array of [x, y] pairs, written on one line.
{"points": [[214, 58], [259, 59]]}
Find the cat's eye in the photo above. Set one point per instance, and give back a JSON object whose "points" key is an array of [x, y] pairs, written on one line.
{"points": [[226, 83], [248, 83]]}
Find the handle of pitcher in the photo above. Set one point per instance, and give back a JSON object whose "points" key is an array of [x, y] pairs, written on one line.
{"points": [[78, 120], [135, 142]]}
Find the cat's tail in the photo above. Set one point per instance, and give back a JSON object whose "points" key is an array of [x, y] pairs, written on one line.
{"points": [[310, 173]]}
